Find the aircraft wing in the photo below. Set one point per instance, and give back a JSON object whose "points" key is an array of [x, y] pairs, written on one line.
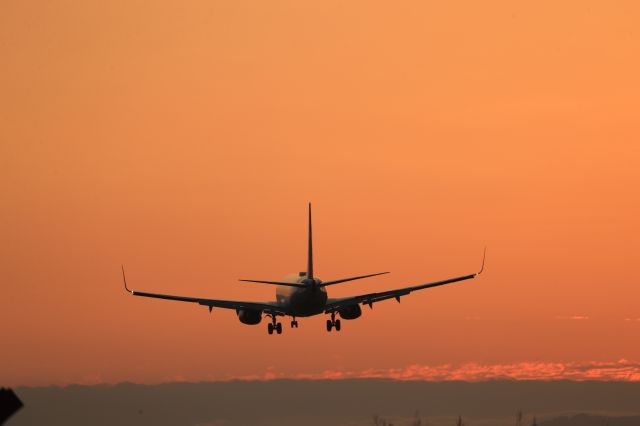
{"points": [[371, 298], [270, 307], [213, 303]]}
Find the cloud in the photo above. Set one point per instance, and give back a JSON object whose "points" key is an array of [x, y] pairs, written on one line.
{"points": [[91, 379], [621, 370], [574, 317]]}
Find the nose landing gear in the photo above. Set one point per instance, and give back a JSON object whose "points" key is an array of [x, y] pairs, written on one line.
{"points": [[294, 323], [333, 323]]}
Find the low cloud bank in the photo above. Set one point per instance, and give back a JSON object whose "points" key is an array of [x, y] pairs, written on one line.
{"points": [[621, 370]]}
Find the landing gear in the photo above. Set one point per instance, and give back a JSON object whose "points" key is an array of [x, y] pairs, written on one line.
{"points": [[333, 323], [274, 325], [294, 323]]}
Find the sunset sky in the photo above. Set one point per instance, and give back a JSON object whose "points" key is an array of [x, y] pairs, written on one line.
{"points": [[184, 139]]}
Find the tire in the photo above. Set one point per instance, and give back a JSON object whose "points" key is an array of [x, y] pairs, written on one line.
{"points": [[329, 325], [279, 328], [270, 328], [337, 325]]}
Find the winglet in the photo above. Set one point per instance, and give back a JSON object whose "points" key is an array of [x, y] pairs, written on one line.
{"points": [[124, 279], [483, 258]]}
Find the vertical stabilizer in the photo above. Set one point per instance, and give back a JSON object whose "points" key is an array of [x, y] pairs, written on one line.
{"points": [[310, 253]]}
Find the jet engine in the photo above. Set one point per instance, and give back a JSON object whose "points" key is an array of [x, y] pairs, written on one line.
{"points": [[350, 312], [249, 316]]}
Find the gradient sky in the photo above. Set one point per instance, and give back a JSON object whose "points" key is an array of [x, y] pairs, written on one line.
{"points": [[184, 140]]}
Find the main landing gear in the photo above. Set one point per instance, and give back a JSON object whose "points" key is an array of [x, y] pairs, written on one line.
{"points": [[274, 325], [333, 323]]}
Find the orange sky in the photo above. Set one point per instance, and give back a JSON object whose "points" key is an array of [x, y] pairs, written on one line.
{"points": [[185, 140]]}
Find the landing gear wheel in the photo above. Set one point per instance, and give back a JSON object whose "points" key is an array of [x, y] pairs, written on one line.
{"points": [[294, 324], [279, 328], [270, 328], [337, 325], [329, 325]]}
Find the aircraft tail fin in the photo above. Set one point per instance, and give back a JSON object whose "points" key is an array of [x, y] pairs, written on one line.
{"points": [[310, 252]]}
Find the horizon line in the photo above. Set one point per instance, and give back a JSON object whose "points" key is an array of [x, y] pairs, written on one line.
{"points": [[622, 370]]}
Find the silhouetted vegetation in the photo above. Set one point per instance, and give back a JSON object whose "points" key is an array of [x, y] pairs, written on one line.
{"points": [[520, 420]]}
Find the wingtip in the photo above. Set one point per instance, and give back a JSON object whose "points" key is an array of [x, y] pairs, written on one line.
{"points": [[484, 256], [124, 280]]}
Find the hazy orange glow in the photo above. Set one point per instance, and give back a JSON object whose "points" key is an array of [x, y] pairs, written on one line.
{"points": [[621, 370], [185, 140]]}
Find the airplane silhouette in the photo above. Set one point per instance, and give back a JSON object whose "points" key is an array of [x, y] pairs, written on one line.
{"points": [[304, 295]]}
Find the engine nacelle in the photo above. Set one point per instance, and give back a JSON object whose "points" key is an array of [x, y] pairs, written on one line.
{"points": [[350, 312], [249, 316]]}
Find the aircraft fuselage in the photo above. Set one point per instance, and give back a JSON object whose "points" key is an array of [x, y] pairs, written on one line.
{"points": [[303, 302]]}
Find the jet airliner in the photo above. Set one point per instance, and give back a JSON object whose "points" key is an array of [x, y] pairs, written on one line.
{"points": [[304, 295]]}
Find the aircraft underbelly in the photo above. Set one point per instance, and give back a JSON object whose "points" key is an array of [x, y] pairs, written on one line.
{"points": [[307, 302]]}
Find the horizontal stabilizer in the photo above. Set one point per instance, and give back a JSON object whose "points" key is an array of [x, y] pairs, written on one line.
{"points": [[275, 283], [324, 284]]}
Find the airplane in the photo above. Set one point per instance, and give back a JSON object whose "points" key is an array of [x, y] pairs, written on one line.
{"points": [[304, 295]]}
